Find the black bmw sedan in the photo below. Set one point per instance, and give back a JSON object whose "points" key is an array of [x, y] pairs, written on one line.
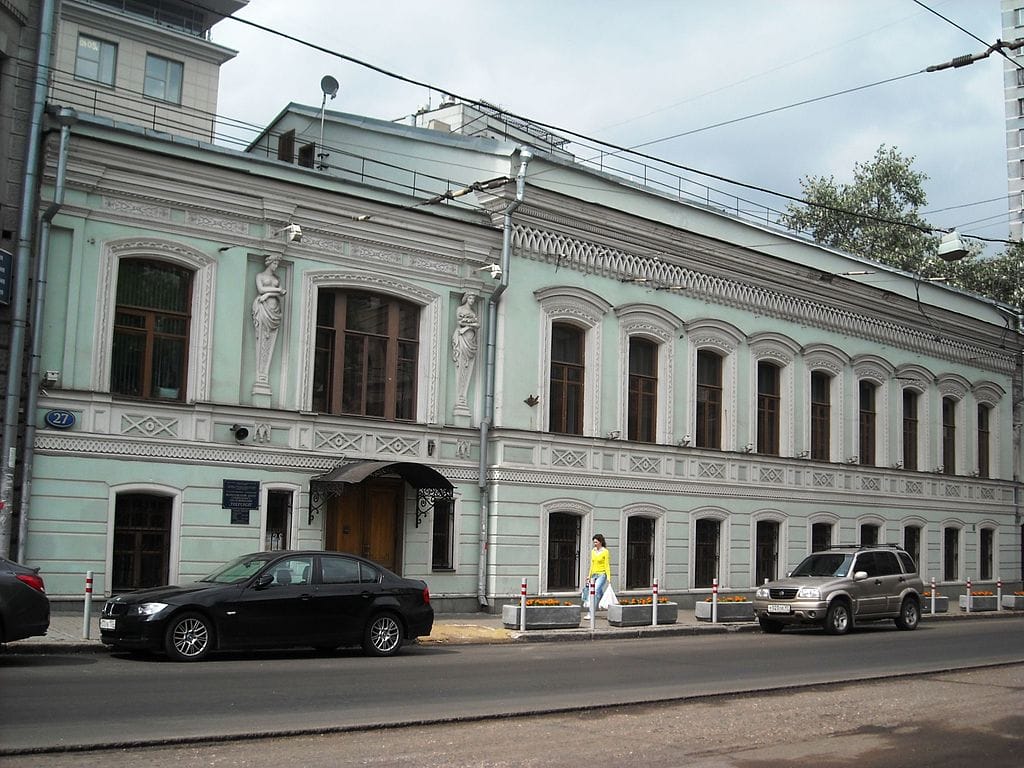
{"points": [[274, 600]]}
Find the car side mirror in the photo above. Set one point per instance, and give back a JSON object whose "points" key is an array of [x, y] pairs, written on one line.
{"points": [[264, 580], [860, 575]]}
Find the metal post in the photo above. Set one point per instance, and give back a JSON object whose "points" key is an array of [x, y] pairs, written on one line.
{"points": [[593, 604], [87, 613], [969, 596], [999, 595], [654, 604], [522, 605], [714, 601], [933, 595]]}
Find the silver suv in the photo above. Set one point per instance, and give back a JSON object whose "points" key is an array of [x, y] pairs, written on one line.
{"points": [[841, 586]]}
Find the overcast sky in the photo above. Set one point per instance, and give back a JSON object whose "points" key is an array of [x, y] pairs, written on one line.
{"points": [[638, 71]]}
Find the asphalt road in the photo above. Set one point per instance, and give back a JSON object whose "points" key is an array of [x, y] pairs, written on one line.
{"points": [[67, 701]]}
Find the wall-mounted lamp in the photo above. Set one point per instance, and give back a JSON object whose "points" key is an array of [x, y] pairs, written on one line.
{"points": [[495, 270], [952, 247], [49, 378], [430, 447], [938, 470], [748, 448], [532, 400], [803, 454], [614, 434], [853, 460], [239, 432], [898, 465], [684, 442]]}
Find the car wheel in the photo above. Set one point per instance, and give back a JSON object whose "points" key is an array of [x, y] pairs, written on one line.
{"points": [[383, 635], [910, 614], [837, 618], [189, 637], [771, 626]]}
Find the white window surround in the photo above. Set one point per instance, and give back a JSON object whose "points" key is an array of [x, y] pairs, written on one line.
{"points": [[832, 361], [724, 339], [200, 348], [922, 525], [661, 327], [917, 379], [878, 372], [456, 531], [955, 387], [820, 517], [724, 546], [660, 516], [875, 520], [774, 516], [293, 523], [586, 310], [428, 371], [174, 546], [993, 526], [961, 528], [568, 507], [782, 351], [992, 395]]}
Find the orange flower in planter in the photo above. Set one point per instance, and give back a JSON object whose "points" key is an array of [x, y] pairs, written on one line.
{"points": [[927, 593], [982, 593], [546, 602], [641, 600], [729, 599], [1018, 594]]}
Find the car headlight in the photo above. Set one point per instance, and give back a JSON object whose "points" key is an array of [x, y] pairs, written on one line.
{"points": [[763, 593], [808, 593], [149, 609]]}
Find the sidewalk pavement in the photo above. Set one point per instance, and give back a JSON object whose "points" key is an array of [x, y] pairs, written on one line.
{"points": [[67, 630]]}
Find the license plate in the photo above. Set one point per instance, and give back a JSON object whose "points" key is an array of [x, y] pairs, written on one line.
{"points": [[108, 623], [779, 608]]}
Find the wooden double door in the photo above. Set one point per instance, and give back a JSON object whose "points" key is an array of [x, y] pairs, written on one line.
{"points": [[366, 520]]}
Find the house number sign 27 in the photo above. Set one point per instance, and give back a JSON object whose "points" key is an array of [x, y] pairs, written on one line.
{"points": [[59, 419]]}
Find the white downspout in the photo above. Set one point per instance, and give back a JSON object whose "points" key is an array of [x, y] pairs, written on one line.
{"points": [[489, 375]]}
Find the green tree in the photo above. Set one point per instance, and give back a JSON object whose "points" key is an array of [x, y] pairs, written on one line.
{"points": [[876, 215]]}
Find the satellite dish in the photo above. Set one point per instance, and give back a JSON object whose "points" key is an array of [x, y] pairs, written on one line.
{"points": [[329, 86]]}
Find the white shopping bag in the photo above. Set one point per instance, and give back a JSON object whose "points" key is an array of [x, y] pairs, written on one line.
{"points": [[608, 598]]}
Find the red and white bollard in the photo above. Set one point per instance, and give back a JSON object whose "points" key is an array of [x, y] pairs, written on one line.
{"points": [[593, 603], [714, 601], [933, 595], [654, 604], [999, 595], [522, 606], [970, 597], [87, 615]]}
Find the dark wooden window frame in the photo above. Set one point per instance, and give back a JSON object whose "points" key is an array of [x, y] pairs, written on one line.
{"points": [[911, 405], [642, 390], [949, 405], [821, 416], [769, 407], [867, 419], [710, 366], [567, 379]]}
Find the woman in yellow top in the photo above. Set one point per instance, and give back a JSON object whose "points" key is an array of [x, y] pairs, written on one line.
{"points": [[600, 571]]}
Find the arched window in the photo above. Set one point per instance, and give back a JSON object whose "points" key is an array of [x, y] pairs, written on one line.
{"points": [[984, 439], [769, 401], [949, 406], [821, 416], [367, 346], [568, 375], [868, 391], [911, 421], [642, 410], [709, 399], [152, 317], [640, 551]]}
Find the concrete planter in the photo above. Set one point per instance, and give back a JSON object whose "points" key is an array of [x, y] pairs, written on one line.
{"points": [[542, 616], [941, 605], [640, 615], [726, 611], [1013, 602], [986, 603]]}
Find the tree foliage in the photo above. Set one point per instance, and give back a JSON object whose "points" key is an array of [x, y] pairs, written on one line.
{"points": [[877, 215]]}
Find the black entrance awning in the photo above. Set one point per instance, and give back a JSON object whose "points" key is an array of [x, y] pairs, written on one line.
{"points": [[430, 484]]}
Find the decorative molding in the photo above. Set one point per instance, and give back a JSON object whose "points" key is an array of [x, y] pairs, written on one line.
{"points": [[137, 209]]}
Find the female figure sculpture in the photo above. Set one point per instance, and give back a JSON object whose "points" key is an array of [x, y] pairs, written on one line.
{"points": [[267, 311]]}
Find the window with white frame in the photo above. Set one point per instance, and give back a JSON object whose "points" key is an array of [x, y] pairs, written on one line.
{"points": [[911, 427], [642, 402], [912, 542], [951, 553], [163, 79], [868, 414], [707, 551], [95, 60], [949, 414], [821, 535], [821, 416], [443, 536], [984, 439], [769, 407], [986, 553]]}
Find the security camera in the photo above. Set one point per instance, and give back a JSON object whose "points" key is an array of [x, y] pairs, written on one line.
{"points": [[240, 432], [495, 270]]}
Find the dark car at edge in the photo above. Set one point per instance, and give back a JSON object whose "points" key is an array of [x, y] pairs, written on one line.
{"points": [[323, 600], [24, 606]]}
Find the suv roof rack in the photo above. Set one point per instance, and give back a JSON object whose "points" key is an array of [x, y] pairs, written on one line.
{"points": [[866, 546]]}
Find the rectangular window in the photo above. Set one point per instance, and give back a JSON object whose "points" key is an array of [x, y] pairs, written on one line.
{"points": [[910, 424], [307, 155], [869, 535], [912, 542], [766, 555], [821, 416], [563, 552], [365, 358], [867, 423], [286, 147], [443, 548], [948, 436], [986, 554], [643, 390], [279, 520], [951, 554], [1020, 79], [640, 552], [567, 379], [769, 400], [984, 440], [163, 79], [821, 536], [1018, 17], [705, 552], [709, 400], [95, 60]]}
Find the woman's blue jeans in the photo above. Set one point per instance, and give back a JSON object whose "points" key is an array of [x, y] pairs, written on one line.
{"points": [[600, 583]]}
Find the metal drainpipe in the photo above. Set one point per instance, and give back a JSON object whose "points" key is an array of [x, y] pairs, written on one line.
{"points": [[492, 333], [22, 258], [66, 117]]}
